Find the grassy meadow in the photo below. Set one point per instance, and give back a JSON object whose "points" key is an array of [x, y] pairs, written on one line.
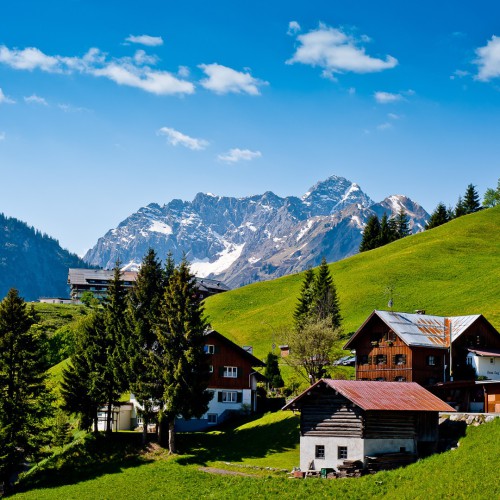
{"points": [[453, 269], [247, 461]]}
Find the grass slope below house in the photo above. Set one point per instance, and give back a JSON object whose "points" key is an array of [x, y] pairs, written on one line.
{"points": [[453, 269], [97, 469]]}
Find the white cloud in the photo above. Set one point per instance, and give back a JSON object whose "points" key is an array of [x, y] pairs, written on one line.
{"points": [[175, 138], [223, 80], [4, 99], [133, 71], [235, 155], [387, 97], [68, 108], [337, 52], [293, 28], [394, 116], [384, 126], [488, 60], [351, 90], [150, 41], [459, 73], [2, 136], [34, 99], [183, 71]]}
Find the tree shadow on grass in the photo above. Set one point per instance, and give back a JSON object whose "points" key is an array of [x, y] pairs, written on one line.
{"points": [[94, 456], [232, 445]]}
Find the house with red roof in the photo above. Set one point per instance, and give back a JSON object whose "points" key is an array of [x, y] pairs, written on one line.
{"points": [[351, 420]]}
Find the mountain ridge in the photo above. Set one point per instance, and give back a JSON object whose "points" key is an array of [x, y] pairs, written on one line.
{"points": [[253, 238]]}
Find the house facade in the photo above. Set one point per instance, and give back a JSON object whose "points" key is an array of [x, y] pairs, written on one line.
{"points": [[233, 384], [97, 282], [351, 420]]}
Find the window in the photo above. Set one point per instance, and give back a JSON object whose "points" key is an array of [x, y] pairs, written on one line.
{"points": [[400, 379], [363, 359], [342, 452], [230, 397], [211, 368], [209, 349], [492, 360], [212, 418], [469, 360], [380, 379], [320, 451], [432, 360], [230, 372], [381, 359], [399, 359]]}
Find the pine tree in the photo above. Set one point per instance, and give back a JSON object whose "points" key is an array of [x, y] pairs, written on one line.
{"points": [[460, 208], [326, 303], [471, 200], [181, 337], [25, 401], [114, 376], [371, 234], [305, 300], [492, 197], [438, 217], [387, 231], [82, 390], [144, 308], [272, 372], [402, 224]]}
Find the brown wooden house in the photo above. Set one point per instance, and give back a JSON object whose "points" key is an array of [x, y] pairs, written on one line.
{"points": [[351, 420], [394, 346]]}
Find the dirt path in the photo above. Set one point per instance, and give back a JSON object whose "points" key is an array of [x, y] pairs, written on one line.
{"points": [[224, 472]]}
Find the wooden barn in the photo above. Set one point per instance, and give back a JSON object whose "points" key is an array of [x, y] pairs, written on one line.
{"points": [[350, 420]]}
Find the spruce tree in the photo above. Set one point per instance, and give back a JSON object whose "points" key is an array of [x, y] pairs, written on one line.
{"points": [[387, 231], [438, 217], [25, 401], [144, 307], [460, 208], [402, 224], [471, 200], [272, 372], [82, 387], [371, 234], [305, 300], [326, 303], [181, 337], [114, 376]]}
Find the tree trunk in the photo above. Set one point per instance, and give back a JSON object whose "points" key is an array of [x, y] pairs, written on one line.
{"points": [[162, 430], [109, 419], [171, 436], [144, 430]]}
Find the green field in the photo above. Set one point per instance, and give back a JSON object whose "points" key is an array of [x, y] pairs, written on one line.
{"points": [[97, 469], [450, 270]]}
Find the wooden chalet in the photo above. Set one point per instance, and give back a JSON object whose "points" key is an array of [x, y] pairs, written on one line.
{"points": [[355, 421]]}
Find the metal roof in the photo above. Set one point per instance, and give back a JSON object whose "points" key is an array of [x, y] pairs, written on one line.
{"points": [[422, 329], [84, 276], [368, 395], [491, 353]]}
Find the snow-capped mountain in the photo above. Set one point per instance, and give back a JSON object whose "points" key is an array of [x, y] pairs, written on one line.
{"points": [[242, 240]]}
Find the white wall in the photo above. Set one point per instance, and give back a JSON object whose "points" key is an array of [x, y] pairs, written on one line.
{"points": [[357, 449], [484, 367], [215, 407]]}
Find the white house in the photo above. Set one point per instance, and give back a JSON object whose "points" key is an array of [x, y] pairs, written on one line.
{"points": [[352, 419], [486, 362]]}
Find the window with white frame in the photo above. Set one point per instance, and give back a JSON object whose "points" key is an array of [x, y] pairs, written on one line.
{"points": [[230, 371], [342, 452], [211, 368], [210, 349], [229, 397]]}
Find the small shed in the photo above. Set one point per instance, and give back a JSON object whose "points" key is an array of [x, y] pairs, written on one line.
{"points": [[350, 419]]}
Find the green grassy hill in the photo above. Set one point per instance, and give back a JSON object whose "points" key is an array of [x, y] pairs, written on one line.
{"points": [[450, 270], [247, 462]]}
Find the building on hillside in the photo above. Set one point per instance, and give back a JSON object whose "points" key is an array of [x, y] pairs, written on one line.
{"points": [[233, 382], [97, 282], [54, 300], [121, 419], [429, 350], [351, 420]]}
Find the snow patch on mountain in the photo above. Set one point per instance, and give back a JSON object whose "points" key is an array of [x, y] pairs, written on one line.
{"points": [[160, 227], [203, 267]]}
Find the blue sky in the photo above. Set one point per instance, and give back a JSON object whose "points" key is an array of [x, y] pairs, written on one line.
{"points": [[108, 106]]}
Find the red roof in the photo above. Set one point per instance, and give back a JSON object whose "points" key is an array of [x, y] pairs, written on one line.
{"points": [[493, 353], [368, 395]]}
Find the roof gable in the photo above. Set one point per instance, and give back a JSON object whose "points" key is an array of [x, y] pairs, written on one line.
{"points": [[234, 347], [389, 396], [422, 329]]}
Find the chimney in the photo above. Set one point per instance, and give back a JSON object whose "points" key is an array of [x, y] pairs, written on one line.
{"points": [[420, 311], [447, 332]]}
